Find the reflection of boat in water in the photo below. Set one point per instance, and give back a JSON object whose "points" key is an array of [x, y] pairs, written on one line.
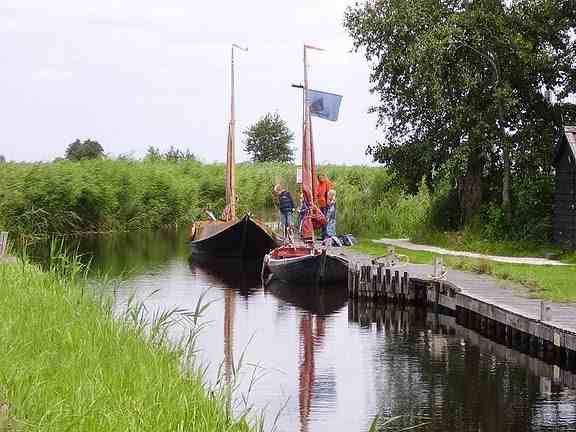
{"points": [[232, 237], [317, 303], [319, 300], [242, 276]]}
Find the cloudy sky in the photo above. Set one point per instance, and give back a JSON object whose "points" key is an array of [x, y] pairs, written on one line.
{"points": [[136, 73]]}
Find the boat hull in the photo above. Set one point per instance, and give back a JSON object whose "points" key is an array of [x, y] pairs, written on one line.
{"points": [[309, 269], [245, 238]]}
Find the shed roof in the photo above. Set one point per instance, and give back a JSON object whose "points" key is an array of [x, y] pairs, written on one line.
{"points": [[570, 132], [570, 139]]}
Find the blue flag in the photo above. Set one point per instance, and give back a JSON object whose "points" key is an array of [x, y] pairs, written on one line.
{"points": [[324, 105]]}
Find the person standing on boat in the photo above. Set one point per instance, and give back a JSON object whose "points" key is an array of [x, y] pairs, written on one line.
{"points": [[330, 237], [286, 206], [324, 185], [322, 188]]}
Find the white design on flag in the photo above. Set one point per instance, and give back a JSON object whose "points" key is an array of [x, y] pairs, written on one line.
{"points": [[324, 105]]}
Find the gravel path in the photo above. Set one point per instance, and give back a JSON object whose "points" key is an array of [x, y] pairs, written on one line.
{"points": [[407, 244]]}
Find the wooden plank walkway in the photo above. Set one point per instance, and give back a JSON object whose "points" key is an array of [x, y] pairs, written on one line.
{"points": [[497, 302]]}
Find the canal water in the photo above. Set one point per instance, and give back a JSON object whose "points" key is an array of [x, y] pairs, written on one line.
{"points": [[310, 361]]}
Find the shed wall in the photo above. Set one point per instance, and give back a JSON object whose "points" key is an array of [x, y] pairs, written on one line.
{"points": [[564, 224]]}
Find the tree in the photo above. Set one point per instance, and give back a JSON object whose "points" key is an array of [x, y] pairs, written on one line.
{"points": [[172, 155], [153, 154], [176, 155], [2, 159], [82, 150], [460, 86], [269, 140]]}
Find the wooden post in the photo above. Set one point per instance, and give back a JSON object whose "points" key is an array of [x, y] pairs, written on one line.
{"points": [[379, 281], [438, 266], [408, 292], [350, 281], [3, 243], [545, 312], [382, 286], [357, 275], [374, 284], [404, 286], [365, 280], [368, 281]]}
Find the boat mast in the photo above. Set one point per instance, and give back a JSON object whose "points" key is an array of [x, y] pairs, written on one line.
{"points": [[308, 162], [230, 211], [306, 168]]}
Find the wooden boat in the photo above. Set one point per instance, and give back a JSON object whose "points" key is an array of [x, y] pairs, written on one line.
{"points": [[303, 264], [232, 237], [247, 238], [307, 263]]}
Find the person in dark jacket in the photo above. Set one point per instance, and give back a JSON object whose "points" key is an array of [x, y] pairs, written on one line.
{"points": [[286, 206]]}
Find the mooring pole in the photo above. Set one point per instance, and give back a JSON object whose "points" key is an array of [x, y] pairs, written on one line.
{"points": [[3, 243]]}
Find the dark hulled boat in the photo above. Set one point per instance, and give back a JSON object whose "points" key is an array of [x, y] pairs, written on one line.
{"points": [[243, 238], [246, 237], [302, 264]]}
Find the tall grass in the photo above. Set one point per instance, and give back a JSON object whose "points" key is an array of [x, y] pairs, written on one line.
{"points": [[66, 364], [124, 195], [107, 195]]}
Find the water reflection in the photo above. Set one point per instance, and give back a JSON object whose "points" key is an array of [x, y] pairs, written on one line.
{"points": [[242, 276], [316, 300], [334, 365], [455, 379], [316, 303]]}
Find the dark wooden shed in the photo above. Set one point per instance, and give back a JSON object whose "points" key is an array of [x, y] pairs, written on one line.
{"points": [[564, 223]]}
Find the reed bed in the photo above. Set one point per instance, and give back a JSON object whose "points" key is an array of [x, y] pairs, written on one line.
{"points": [[120, 195], [68, 364]]}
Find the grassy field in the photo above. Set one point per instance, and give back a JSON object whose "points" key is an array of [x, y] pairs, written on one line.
{"points": [[547, 282], [68, 365]]}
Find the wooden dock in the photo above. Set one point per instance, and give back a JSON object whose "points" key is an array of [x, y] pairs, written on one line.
{"points": [[481, 302]]}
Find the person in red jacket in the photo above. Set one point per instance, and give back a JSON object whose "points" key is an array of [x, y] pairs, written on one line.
{"points": [[324, 185], [310, 218]]}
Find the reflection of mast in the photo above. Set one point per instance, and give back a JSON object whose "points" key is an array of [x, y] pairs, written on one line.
{"points": [[229, 307], [308, 340]]}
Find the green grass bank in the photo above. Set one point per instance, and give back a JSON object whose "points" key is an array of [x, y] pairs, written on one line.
{"points": [[68, 365], [555, 283]]}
